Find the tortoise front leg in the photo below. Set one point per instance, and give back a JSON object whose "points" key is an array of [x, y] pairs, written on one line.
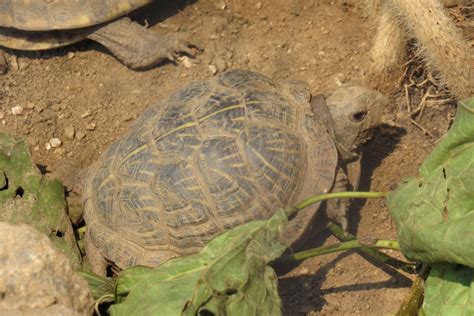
{"points": [[347, 178], [96, 260], [138, 47], [336, 209]]}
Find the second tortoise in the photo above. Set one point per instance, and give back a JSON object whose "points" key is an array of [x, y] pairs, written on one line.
{"points": [[46, 24]]}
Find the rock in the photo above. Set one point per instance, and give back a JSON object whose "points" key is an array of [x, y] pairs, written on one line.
{"points": [[186, 61], [212, 69], [304, 270], [258, 5], [80, 135], [2, 115], [14, 63], [69, 132], [90, 126], [340, 79], [32, 141], [86, 114], [37, 279], [17, 110], [30, 105], [55, 142], [70, 55]]}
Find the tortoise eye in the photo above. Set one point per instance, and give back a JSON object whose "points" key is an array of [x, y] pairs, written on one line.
{"points": [[358, 116]]}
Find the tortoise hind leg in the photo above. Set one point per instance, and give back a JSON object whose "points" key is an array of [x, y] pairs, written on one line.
{"points": [[136, 46], [97, 261]]}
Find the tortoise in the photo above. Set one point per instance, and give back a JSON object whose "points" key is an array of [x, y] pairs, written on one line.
{"points": [[216, 154], [45, 24]]}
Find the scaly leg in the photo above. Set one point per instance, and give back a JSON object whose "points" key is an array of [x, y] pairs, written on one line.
{"points": [[138, 47], [96, 260]]}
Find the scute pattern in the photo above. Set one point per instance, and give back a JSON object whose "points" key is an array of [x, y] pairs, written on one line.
{"points": [[273, 154], [47, 15], [214, 155], [270, 106]]}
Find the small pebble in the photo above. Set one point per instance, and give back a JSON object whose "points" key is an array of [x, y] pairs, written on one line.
{"points": [[33, 141], [258, 5], [70, 55], [186, 61], [60, 151], [80, 135], [55, 142], [69, 132], [304, 270], [212, 69], [86, 114], [48, 146], [130, 117], [340, 79], [90, 126], [2, 115], [14, 63], [17, 110], [30, 105]]}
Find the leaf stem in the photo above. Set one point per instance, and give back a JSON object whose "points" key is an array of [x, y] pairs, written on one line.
{"points": [[335, 195], [412, 303], [345, 245], [379, 256]]}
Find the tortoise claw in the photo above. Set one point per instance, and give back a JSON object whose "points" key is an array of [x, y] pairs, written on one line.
{"points": [[171, 57], [185, 48]]}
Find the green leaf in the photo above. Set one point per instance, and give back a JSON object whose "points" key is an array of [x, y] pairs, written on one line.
{"points": [[435, 212], [449, 291], [99, 286], [230, 276], [28, 197]]}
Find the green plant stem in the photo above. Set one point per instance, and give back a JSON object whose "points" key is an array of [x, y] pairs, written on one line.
{"points": [[346, 245], [381, 257], [412, 303], [349, 241], [337, 195]]}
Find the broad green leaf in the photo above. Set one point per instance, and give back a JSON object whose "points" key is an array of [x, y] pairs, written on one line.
{"points": [[99, 286], [230, 276], [435, 212], [449, 291], [28, 197]]}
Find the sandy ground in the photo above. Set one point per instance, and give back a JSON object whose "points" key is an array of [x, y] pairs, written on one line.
{"points": [[84, 97]]}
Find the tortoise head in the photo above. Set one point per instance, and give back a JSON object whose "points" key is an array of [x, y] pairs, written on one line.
{"points": [[355, 111]]}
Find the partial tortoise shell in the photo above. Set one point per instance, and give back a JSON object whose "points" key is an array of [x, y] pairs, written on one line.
{"points": [[214, 155], [44, 24]]}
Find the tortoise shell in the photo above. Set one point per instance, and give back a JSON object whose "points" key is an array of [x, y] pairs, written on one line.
{"points": [[44, 24], [48, 15], [214, 155]]}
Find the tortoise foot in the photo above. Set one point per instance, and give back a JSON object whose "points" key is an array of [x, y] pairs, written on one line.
{"points": [[138, 47]]}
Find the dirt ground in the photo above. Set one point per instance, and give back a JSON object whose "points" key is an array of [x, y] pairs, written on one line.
{"points": [[86, 98]]}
